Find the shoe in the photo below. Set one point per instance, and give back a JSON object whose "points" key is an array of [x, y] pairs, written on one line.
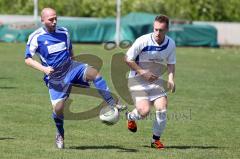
{"points": [[59, 141], [131, 124], [157, 144]]}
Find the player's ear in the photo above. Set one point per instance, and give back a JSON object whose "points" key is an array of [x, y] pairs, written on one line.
{"points": [[167, 27], [42, 21], [42, 18]]}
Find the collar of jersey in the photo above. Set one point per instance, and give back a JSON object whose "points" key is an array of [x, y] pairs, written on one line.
{"points": [[156, 42], [45, 29]]}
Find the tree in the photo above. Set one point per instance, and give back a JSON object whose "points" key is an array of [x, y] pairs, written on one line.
{"points": [[207, 10]]}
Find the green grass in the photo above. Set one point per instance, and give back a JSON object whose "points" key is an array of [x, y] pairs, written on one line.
{"points": [[203, 115]]}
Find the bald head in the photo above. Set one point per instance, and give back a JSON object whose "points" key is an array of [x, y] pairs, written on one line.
{"points": [[49, 19], [47, 11]]}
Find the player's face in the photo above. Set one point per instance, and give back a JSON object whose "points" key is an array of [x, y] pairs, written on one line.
{"points": [[160, 29], [50, 20]]}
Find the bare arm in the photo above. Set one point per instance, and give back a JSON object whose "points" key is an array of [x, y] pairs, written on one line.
{"points": [[171, 75], [147, 75], [35, 64]]}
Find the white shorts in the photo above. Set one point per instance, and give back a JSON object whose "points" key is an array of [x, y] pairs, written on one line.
{"points": [[149, 91]]}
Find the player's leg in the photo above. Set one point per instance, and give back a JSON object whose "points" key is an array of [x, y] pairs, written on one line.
{"points": [[101, 85], [58, 91], [159, 123], [58, 118], [142, 109], [58, 99]]}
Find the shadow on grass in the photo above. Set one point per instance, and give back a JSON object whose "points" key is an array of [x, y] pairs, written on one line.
{"points": [[183, 147], [6, 78], [193, 147], [107, 147], [5, 87], [7, 138]]}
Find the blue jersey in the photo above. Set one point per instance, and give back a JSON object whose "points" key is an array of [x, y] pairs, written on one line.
{"points": [[53, 48]]}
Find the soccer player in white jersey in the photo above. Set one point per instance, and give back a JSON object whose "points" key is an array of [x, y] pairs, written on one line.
{"points": [[146, 58], [52, 44]]}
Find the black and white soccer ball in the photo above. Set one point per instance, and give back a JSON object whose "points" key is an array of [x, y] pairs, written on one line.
{"points": [[109, 116]]}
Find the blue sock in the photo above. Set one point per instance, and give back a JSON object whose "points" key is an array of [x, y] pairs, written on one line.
{"points": [[103, 90], [59, 123]]}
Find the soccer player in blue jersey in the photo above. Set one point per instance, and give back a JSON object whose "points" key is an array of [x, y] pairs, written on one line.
{"points": [[52, 44], [146, 58]]}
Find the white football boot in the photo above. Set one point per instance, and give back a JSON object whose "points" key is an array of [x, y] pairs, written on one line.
{"points": [[59, 141]]}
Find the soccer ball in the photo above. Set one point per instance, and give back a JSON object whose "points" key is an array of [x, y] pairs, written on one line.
{"points": [[109, 116]]}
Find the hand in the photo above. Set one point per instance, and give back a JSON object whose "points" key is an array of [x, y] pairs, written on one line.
{"points": [[171, 85], [48, 70], [148, 76]]}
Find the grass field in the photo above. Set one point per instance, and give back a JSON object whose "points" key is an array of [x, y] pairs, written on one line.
{"points": [[203, 114]]}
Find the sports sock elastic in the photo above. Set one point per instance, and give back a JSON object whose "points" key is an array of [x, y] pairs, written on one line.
{"points": [[103, 90], [58, 119], [134, 115]]}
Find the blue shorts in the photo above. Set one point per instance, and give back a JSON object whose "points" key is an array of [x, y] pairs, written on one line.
{"points": [[60, 81]]}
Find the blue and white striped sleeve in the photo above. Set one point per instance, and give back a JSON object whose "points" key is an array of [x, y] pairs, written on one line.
{"points": [[171, 59], [134, 50], [31, 47]]}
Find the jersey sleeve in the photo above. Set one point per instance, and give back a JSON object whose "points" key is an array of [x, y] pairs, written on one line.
{"points": [[134, 50], [31, 47], [171, 59], [69, 42]]}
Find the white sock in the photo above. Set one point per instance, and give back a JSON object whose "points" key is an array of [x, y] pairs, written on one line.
{"points": [[134, 115], [160, 122]]}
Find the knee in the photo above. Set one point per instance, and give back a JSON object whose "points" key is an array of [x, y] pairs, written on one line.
{"points": [[144, 111], [92, 74], [161, 104], [59, 108], [162, 108]]}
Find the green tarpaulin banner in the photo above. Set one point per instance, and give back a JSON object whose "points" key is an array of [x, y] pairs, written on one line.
{"points": [[99, 30]]}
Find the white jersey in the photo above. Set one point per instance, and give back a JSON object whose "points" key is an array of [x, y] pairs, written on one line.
{"points": [[148, 54], [151, 56]]}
